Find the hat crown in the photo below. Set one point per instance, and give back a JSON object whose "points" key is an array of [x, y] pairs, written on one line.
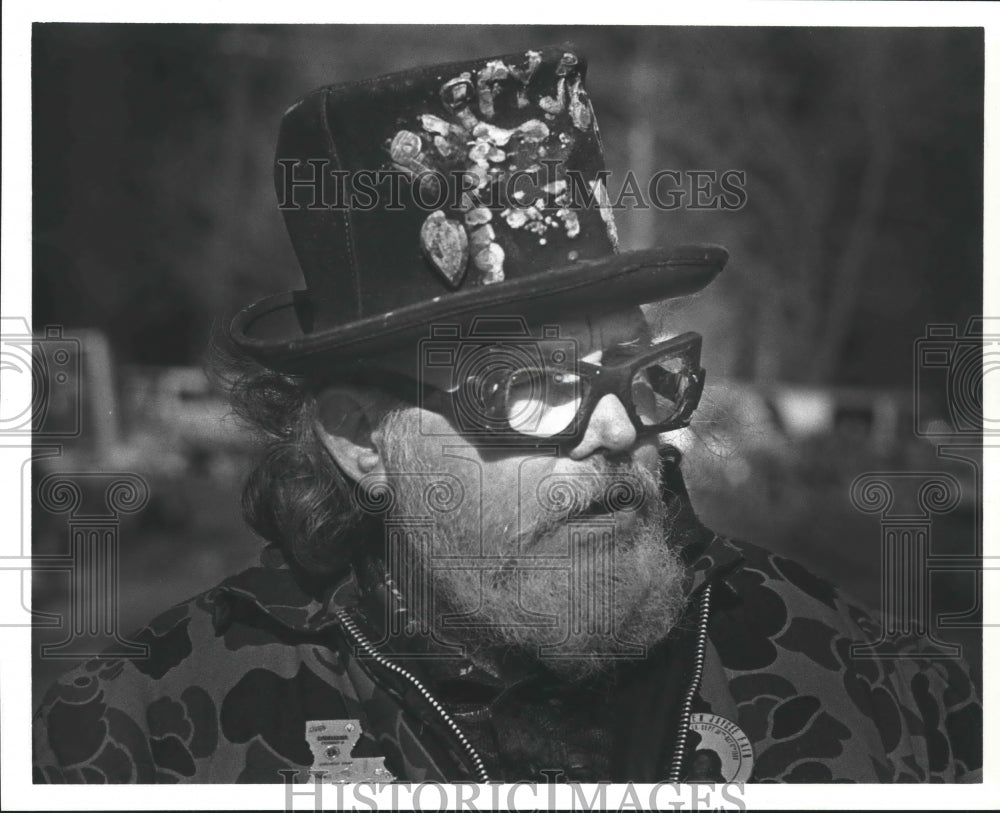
{"points": [[437, 195], [412, 186]]}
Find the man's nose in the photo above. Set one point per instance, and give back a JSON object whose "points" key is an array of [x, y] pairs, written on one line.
{"points": [[609, 428]]}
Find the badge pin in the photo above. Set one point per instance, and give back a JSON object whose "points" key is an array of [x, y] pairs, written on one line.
{"points": [[331, 743], [720, 750]]}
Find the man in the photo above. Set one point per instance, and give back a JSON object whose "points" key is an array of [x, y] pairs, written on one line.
{"points": [[483, 562]]}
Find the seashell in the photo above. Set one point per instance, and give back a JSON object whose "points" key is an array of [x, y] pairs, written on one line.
{"points": [[567, 62], [433, 124], [478, 216], [490, 261], [446, 246], [533, 130], [479, 152], [406, 151], [555, 187], [486, 103], [523, 75], [444, 146], [608, 216], [579, 106], [571, 221], [457, 93], [484, 131], [466, 118], [551, 105], [405, 147], [488, 85], [515, 218], [480, 238], [494, 71], [496, 155], [479, 173]]}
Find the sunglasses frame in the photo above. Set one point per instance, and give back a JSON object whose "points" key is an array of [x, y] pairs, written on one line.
{"points": [[597, 379], [616, 379]]}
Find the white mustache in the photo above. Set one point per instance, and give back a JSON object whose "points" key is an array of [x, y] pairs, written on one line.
{"points": [[565, 497], [568, 495]]}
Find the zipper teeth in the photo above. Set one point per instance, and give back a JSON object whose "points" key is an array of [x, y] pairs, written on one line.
{"points": [[699, 666], [380, 659], [477, 760]]}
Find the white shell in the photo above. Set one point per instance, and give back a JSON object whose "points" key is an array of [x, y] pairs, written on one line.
{"points": [[446, 246], [481, 238], [516, 218], [533, 130], [490, 261], [607, 215], [433, 124], [444, 146], [478, 216], [490, 132], [579, 107]]}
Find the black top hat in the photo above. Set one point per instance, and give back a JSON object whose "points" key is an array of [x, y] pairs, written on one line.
{"points": [[444, 192]]}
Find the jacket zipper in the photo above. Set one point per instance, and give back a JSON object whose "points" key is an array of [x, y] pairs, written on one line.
{"points": [[480, 768], [361, 640], [677, 762]]}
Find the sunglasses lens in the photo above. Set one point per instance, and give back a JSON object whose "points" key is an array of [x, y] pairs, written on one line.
{"points": [[658, 390], [542, 404]]}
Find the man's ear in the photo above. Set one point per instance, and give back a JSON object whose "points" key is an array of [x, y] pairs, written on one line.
{"points": [[345, 418]]}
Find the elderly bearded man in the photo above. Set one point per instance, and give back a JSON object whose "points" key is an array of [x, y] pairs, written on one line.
{"points": [[483, 562]]}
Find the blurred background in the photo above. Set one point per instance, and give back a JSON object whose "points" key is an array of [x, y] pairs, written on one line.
{"points": [[154, 218]]}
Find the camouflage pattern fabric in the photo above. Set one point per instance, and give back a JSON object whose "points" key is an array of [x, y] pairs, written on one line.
{"points": [[234, 675], [784, 671]]}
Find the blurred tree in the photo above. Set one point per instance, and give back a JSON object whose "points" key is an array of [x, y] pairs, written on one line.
{"points": [[827, 124]]}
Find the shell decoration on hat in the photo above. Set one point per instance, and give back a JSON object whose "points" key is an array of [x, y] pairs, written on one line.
{"points": [[460, 136]]}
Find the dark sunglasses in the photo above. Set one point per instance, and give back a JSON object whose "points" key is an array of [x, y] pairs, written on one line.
{"points": [[659, 386]]}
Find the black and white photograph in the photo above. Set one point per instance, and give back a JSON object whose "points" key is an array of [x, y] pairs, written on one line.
{"points": [[415, 413]]}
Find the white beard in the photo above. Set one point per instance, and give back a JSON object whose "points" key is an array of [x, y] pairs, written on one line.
{"points": [[574, 592]]}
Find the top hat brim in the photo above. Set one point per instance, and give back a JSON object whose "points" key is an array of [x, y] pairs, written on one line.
{"points": [[276, 330]]}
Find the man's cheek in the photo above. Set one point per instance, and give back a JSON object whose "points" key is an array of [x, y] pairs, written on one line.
{"points": [[648, 456]]}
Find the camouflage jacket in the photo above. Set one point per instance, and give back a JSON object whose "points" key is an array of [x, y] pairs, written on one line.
{"points": [[234, 676]]}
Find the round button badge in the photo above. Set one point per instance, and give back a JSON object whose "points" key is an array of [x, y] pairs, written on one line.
{"points": [[721, 752]]}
